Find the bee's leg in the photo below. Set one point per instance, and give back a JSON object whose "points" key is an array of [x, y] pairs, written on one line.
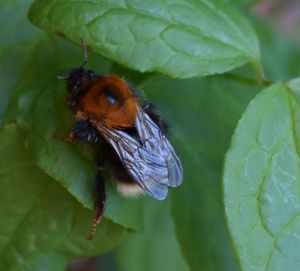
{"points": [[100, 195], [150, 109], [86, 132], [69, 138], [100, 202], [82, 131]]}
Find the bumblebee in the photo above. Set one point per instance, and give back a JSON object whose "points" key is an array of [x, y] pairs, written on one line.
{"points": [[134, 146]]}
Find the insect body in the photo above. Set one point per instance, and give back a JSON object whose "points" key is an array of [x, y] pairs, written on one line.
{"points": [[133, 142]]}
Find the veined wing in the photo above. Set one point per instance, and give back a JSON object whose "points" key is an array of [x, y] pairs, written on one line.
{"points": [[151, 160]]}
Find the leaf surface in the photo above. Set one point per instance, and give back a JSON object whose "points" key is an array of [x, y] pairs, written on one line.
{"points": [[262, 182], [177, 38], [42, 226]]}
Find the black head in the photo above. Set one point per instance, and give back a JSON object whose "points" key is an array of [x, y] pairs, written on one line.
{"points": [[78, 82]]}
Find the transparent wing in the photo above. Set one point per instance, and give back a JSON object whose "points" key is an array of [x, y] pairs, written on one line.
{"points": [[151, 161]]}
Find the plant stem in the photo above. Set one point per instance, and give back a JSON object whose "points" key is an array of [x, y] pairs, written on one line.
{"points": [[247, 80], [260, 75]]}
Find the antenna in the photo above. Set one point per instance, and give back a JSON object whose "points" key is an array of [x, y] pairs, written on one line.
{"points": [[85, 60], [62, 77], [85, 54]]}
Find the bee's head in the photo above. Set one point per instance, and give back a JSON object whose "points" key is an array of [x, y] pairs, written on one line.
{"points": [[78, 81]]}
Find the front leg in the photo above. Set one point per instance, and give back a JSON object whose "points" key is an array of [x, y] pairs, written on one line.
{"points": [[82, 131], [70, 138]]}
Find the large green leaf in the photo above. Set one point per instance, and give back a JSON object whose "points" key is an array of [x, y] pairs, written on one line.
{"points": [[42, 225], [262, 182], [178, 38], [202, 115]]}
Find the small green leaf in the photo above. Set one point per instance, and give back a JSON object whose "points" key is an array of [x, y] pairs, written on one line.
{"points": [[42, 225], [177, 38], [262, 182]]}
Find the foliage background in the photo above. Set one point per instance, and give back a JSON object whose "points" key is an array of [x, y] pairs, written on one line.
{"points": [[46, 185]]}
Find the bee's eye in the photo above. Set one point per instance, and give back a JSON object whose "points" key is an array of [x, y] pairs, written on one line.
{"points": [[111, 99], [91, 73], [110, 95]]}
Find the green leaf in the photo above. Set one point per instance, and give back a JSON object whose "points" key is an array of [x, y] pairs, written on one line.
{"points": [[177, 38], [154, 249], [262, 182], [42, 224], [202, 114]]}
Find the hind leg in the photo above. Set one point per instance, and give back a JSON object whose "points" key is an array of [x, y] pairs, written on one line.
{"points": [[100, 201]]}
